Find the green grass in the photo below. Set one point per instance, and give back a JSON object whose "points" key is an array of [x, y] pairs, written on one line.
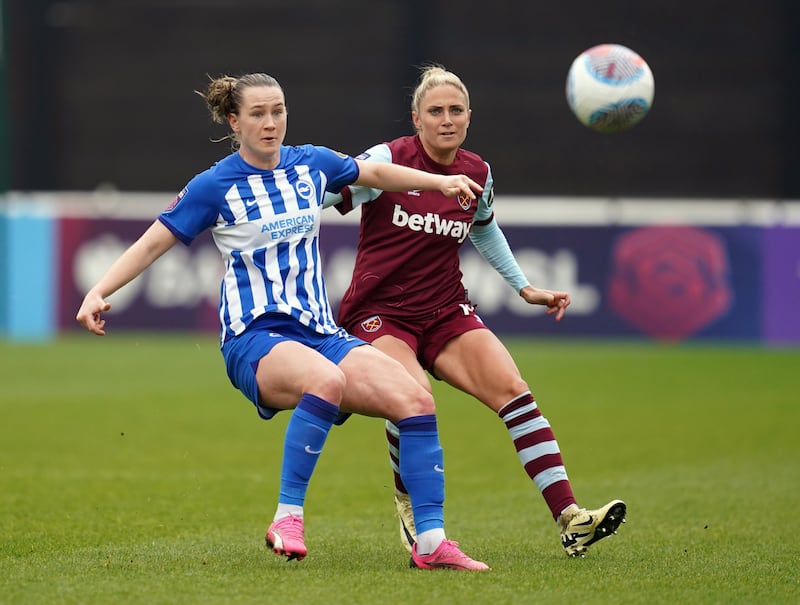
{"points": [[132, 472]]}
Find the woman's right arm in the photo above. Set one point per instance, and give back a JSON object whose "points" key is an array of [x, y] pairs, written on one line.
{"points": [[394, 177], [142, 253]]}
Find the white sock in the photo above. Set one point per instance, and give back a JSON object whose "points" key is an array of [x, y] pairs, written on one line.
{"points": [[428, 541], [572, 508], [284, 510]]}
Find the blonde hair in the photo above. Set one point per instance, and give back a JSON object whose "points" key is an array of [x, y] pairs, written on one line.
{"points": [[223, 96], [432, 76]]}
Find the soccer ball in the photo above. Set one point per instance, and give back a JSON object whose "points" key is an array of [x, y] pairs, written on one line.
{"points": [[610, 88]]}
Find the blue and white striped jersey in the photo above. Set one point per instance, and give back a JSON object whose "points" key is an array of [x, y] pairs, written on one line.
{"points": [[265, 224]]}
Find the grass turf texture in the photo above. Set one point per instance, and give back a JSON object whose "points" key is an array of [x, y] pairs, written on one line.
{"points": [[132, 472]]}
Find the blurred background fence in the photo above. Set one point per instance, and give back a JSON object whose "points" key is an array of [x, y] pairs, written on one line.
{"points": [[101, 91]]}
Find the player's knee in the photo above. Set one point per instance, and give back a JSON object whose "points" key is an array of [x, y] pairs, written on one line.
{"points": [[420, 402], [408, 400], [517, 386], [328, 383], [504, 390]]}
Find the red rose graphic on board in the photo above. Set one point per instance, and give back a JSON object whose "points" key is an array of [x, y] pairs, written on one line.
{"points": [[669, 281]]}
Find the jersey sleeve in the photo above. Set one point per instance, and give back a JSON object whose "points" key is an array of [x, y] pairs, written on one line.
{"points": [[340, 169], [353, 196], [485, 211], [490, 241], [194, 210]]}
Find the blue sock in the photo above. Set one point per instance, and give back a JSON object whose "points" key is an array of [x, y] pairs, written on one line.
{"points": [[422, 470], [305, 435]]}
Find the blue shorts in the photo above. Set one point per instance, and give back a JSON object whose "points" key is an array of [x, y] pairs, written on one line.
{"points": [[243, 352]]}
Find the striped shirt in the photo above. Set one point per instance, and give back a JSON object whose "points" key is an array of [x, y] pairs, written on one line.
{"points": [[265, 224]]}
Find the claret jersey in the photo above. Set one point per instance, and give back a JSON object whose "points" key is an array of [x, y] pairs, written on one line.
{"points": [[407, 261], [265, 224]]}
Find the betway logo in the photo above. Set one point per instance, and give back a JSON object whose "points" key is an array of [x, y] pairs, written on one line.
{"points": [[431, 223]]}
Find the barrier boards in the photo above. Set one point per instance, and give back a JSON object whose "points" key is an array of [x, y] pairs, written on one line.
{"points": [[648, 269]]}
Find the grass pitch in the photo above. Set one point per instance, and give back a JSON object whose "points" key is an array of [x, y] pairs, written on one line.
{"points": [[132, 472]]}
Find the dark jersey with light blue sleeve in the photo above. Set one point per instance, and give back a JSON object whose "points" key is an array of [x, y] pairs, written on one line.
{"points": [[408, 251]]}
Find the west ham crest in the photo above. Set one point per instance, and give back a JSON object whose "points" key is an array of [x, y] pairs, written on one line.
{"points": [[372, 324]]}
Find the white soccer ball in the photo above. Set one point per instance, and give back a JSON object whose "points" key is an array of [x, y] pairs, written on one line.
{"points": [[610, 88]]}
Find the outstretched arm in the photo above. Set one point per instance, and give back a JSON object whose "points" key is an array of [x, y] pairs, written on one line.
{"points": [[393, 177], [142, 253]]}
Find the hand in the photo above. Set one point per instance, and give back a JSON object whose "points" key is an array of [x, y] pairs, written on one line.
{"points": [[556, 302], [89, 313], [459, 184]]}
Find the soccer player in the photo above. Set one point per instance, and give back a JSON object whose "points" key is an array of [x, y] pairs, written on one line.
{"points": [[407, 299], [281, 346]]}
